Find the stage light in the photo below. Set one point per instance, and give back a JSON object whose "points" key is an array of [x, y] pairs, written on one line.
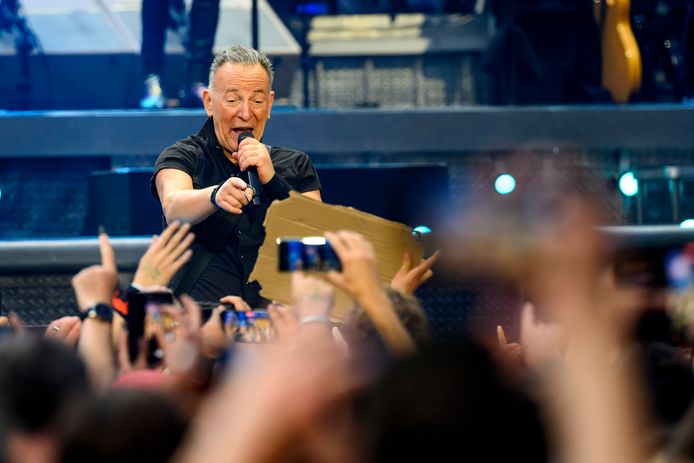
{"points": [[504, 184], [420, 232], [628, 184], [688, 223]]}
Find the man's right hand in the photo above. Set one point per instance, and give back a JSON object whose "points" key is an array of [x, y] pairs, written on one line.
{"points": [[233, 195]]}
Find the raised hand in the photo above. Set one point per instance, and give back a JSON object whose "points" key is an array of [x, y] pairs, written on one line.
{"points": [[513, 351], [359, 276], [409, 278], [165, 256], [360, 279], [543, 343], [95, 284]]}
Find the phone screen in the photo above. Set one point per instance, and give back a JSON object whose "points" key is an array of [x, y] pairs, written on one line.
{"points": [[312, 253], [139, 306], [246, 325], [252, 326]]}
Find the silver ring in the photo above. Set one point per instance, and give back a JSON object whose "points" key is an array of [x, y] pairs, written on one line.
{"points": [[55, 328]]}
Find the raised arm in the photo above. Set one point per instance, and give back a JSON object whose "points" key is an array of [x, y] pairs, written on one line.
{"points": [[94, 285], [183, 203], [359, 278]]}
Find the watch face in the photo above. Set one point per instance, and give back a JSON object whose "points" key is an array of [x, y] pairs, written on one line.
{"points": [[101, 311]]}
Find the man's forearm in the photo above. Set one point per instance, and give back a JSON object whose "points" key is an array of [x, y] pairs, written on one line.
{"points": [[191, 206]]}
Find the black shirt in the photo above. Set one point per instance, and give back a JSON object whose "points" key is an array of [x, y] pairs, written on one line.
{"points": [[202, 158]]}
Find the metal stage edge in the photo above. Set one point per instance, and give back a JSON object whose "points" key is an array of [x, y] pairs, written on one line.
{"points": [[389, 132]]}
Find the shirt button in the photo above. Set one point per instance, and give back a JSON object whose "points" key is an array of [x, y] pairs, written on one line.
{"points": [[240, 232], [241, 256]]}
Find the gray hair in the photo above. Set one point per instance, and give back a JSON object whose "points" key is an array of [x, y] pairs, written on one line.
{"points": [[241, 55]]}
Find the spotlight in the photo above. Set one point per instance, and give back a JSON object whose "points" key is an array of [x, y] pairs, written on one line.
{"points": [[688, 223], [628, 184], [421, 232], [504, 184]]}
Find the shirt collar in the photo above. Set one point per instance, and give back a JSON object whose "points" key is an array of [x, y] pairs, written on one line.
{"points": [[207, 133], [207, 130]]}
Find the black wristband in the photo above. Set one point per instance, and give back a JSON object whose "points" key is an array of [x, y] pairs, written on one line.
{"points": [[100, 311], [214, 193], [277, 188]]}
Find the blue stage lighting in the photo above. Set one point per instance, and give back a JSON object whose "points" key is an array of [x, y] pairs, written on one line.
{"points": [[628, 184], [689, 223], [504, 184]]}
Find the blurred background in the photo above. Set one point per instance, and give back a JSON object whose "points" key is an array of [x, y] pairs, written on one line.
{"points": [[376, 91]]}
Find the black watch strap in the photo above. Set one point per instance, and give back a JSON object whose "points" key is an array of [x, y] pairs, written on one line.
{"points": [[213, 199], [103, 312]]}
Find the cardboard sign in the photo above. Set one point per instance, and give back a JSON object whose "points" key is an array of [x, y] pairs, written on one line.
{"points": [[299, 216]]}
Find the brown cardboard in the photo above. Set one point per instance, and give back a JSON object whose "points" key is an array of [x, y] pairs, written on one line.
{"points": [[299, 216]]}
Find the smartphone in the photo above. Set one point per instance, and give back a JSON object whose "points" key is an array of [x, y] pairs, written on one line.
{"points": [[139, 306], [247, 325], [312, 253], [207, 308], [160, 297], [252, 326]]}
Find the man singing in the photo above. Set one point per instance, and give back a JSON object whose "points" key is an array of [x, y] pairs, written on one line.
{"points": [[202, 179]]}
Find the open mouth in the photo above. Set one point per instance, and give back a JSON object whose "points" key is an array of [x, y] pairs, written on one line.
{"points": [[239, 130]]}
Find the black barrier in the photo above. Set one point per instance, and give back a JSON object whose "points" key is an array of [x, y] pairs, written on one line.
{"points": [[35, 279], [35, 275]]}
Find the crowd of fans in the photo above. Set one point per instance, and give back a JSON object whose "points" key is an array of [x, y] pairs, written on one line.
{"points": [[594, 371]]}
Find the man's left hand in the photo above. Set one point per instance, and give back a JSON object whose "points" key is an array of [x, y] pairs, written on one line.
{"points": [[252, 153]]}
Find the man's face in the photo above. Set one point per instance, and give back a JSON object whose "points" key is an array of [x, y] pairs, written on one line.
{"points": [[240, 101]]}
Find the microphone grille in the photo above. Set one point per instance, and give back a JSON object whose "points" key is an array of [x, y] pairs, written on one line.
{"points": [[245, 135]]}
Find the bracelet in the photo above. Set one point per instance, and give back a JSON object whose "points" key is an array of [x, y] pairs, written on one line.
{"points": [[214, 193], [314, 319]]}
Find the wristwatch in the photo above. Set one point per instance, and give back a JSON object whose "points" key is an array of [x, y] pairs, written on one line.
{"points": [[100, 311]]}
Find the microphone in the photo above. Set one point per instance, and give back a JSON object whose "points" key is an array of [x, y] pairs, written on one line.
{"points": [[253, 179]]}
